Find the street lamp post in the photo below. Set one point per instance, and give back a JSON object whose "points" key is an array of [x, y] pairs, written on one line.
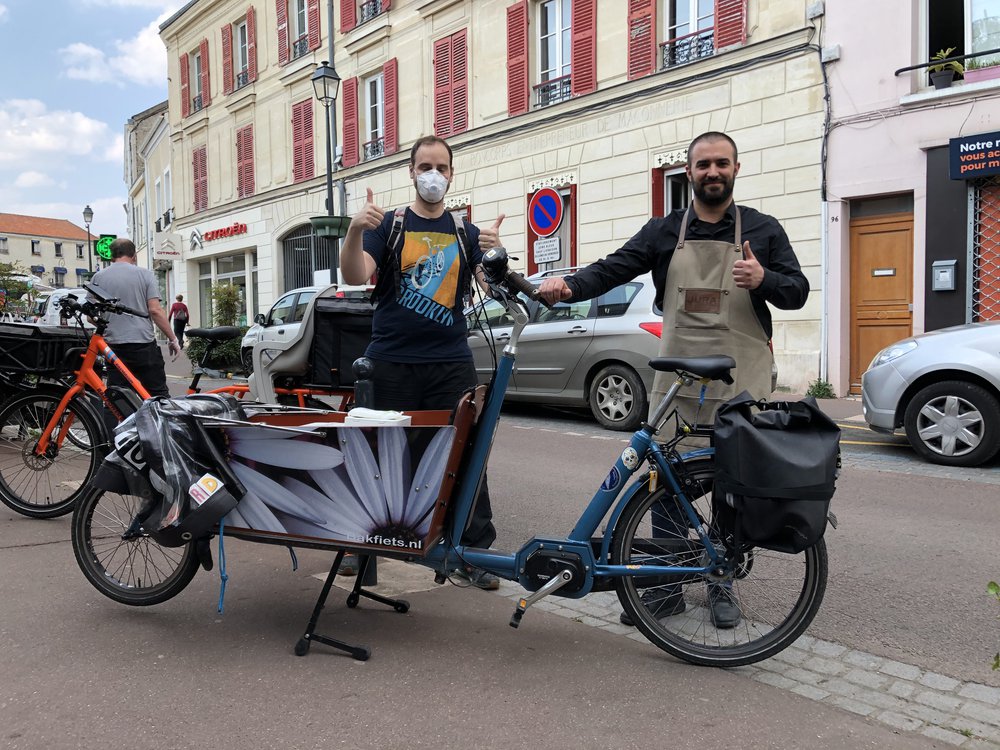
{"points": [[88, 216], [326, 83]]}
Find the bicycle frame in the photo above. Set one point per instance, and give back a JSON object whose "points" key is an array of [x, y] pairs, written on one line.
{"points": [[595, 563]]}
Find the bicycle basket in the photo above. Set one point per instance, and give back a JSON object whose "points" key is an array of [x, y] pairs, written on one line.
{"points": [[37, 349], [776, 465]]}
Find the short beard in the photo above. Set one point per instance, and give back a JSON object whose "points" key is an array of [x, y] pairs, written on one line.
{"points": [[710, 199]]}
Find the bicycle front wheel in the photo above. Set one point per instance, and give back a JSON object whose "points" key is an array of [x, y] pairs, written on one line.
{"points": [[136, 570], [47, 484], [752, 613]]}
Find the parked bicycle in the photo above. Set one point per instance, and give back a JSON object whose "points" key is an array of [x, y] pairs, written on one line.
{"points": [[662, 532], [53, 435]]}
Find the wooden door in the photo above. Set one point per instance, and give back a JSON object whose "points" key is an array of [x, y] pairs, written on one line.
{"points": [[881, 287]]}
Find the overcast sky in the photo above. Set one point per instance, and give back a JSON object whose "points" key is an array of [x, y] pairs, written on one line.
{"points": [[71, 74]]}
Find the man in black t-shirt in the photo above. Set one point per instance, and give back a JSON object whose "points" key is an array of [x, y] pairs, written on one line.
{"points": [[419, 336]]}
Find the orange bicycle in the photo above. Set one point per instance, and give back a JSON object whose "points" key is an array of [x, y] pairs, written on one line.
{"points": [[53, 437]]}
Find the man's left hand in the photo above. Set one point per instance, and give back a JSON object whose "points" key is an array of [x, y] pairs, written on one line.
{"points": [[490, 238], [748, 273]]}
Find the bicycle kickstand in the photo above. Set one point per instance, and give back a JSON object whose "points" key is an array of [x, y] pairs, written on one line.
{"points": [[552, 585]]}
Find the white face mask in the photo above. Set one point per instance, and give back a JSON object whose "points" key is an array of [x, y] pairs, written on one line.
{"points": [[431, 186]]}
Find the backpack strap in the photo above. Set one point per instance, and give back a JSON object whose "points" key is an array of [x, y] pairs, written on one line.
{"points": [[465, 278], [388, 269]]}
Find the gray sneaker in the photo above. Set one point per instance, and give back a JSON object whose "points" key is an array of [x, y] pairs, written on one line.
{"points": [[477, 577]]}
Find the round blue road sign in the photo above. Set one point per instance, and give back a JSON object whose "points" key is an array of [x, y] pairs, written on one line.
{"points": [[545, 212]]}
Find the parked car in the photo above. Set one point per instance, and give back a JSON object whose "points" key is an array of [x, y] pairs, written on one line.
{"points": [[590, 353], [46, 308], [943, 389], [285, 316]]}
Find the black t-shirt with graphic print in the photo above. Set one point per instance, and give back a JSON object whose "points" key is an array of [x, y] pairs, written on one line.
{"points": [[423, 322]]}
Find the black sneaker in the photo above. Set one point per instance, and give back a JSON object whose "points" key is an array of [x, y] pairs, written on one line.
{"points": [[477, 577], [662, 602], [724, 606]]}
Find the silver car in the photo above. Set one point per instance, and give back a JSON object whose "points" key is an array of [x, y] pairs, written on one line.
{"points": [[943, 388], [590, 353]]}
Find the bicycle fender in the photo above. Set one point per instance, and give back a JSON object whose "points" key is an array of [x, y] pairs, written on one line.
{"points": [[110, 478]]}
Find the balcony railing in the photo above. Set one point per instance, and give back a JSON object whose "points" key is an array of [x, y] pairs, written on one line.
{"points": [[300, 46], [687, 48], [369, 10], [196, 104], [553, 91], [242, 78], [374, 149]]}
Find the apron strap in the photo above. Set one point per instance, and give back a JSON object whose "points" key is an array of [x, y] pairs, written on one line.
{"points": [[684, 227]]}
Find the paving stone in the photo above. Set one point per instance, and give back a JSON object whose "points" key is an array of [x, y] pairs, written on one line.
{"points": [[777, 680], [804, 675], [978, 744], [618, 629], [937, 700], [977, 710], [826, 648], [855, 707], [939, 681], [902, 688], [792, 655], [592, 621], [824, 666], [981, 693], [898, 669], [805, 642], [983, 731], [862, 659], [868, 679], [927, 714], [899, 721], [810, 691], [944, 735]]}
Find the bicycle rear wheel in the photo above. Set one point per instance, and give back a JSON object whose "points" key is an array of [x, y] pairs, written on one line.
{"points": [[135, 571], [46, 485], [777, 594]]}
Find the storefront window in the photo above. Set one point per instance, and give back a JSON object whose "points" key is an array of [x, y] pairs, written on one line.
{"points": [[303, 254], [231, 269]]}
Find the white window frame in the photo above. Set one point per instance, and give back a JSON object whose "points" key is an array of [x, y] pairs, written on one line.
{"points": [[562, 35], [298, 12], [675, 181], [158, 193], [4, 250], [374, 107], [36, 247], [196, 74], [57, 246], [241, 44], [694, 22], [967, 20], [167, 191], [79, 251]]}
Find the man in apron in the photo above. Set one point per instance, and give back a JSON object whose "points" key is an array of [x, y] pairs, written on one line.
{"points": [[716, 266]]}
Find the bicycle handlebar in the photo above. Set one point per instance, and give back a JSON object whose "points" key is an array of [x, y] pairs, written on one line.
{"points": [[495, 264], [93, 309]]}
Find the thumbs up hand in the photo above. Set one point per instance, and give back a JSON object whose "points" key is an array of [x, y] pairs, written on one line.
{"points": [[490, 238], [370, 215], [748, 273]]}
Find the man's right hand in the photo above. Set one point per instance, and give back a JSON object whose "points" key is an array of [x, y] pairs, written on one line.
{"points": [[370, 215], [554, 290]]}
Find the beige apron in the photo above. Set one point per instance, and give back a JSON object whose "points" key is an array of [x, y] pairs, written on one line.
{"points": [[704, 312]]}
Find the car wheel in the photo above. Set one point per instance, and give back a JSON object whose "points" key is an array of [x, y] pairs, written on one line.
{"points": [[617, 398], [954, 423], [246, 357]]}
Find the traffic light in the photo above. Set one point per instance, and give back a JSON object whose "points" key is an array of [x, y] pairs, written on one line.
{"points": [[103, 246]]}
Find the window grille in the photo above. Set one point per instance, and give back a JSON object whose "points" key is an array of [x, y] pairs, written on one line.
{"points": [[554, 91], [374, 149], [985, 296], [687, 48], [300, 46], [369, 10]]}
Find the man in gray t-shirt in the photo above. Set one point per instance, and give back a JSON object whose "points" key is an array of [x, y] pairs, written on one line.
{"points": [[131, 337]]}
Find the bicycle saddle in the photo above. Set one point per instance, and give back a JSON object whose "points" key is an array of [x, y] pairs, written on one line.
{"points": [[715, 367], [219, 333]]}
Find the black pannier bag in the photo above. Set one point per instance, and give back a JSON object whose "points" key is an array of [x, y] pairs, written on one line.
{"points": [[776, 465], [341, 333]]}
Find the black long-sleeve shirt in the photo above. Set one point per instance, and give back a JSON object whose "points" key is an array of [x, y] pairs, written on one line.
{"points": [[784, 284]]}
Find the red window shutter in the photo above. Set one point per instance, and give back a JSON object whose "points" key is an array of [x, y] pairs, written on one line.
{"points": [[518, 95], [200, 168], [296, 142], [312, 13], [730, 23], [583, 47], [303, 163], [442, 87], [185, 86], [282, 8], [227, 59], [348, 15], [351, 139], [385, 5], [459, 83], [244, 159], [206, 79], [251, 44], [390, 85], [641, 38]]}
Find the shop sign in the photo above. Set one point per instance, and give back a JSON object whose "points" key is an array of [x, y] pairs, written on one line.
{"points": [[974, 156], [230, 231]]}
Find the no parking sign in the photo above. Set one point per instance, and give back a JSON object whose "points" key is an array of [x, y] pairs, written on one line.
{"points": [[545, 212]]}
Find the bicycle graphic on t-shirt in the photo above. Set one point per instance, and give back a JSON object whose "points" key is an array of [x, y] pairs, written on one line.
{"points": [[430, 266]]}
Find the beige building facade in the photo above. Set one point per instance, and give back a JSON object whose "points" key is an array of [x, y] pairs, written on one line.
{"points": [[596, 100], [53, 251]]}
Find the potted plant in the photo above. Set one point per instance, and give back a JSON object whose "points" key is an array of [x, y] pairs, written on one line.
{"points": [[982, 69], [943, 73]]}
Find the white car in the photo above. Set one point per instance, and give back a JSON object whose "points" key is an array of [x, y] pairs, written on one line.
{"points": [[46, 309], [285, 316]]}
